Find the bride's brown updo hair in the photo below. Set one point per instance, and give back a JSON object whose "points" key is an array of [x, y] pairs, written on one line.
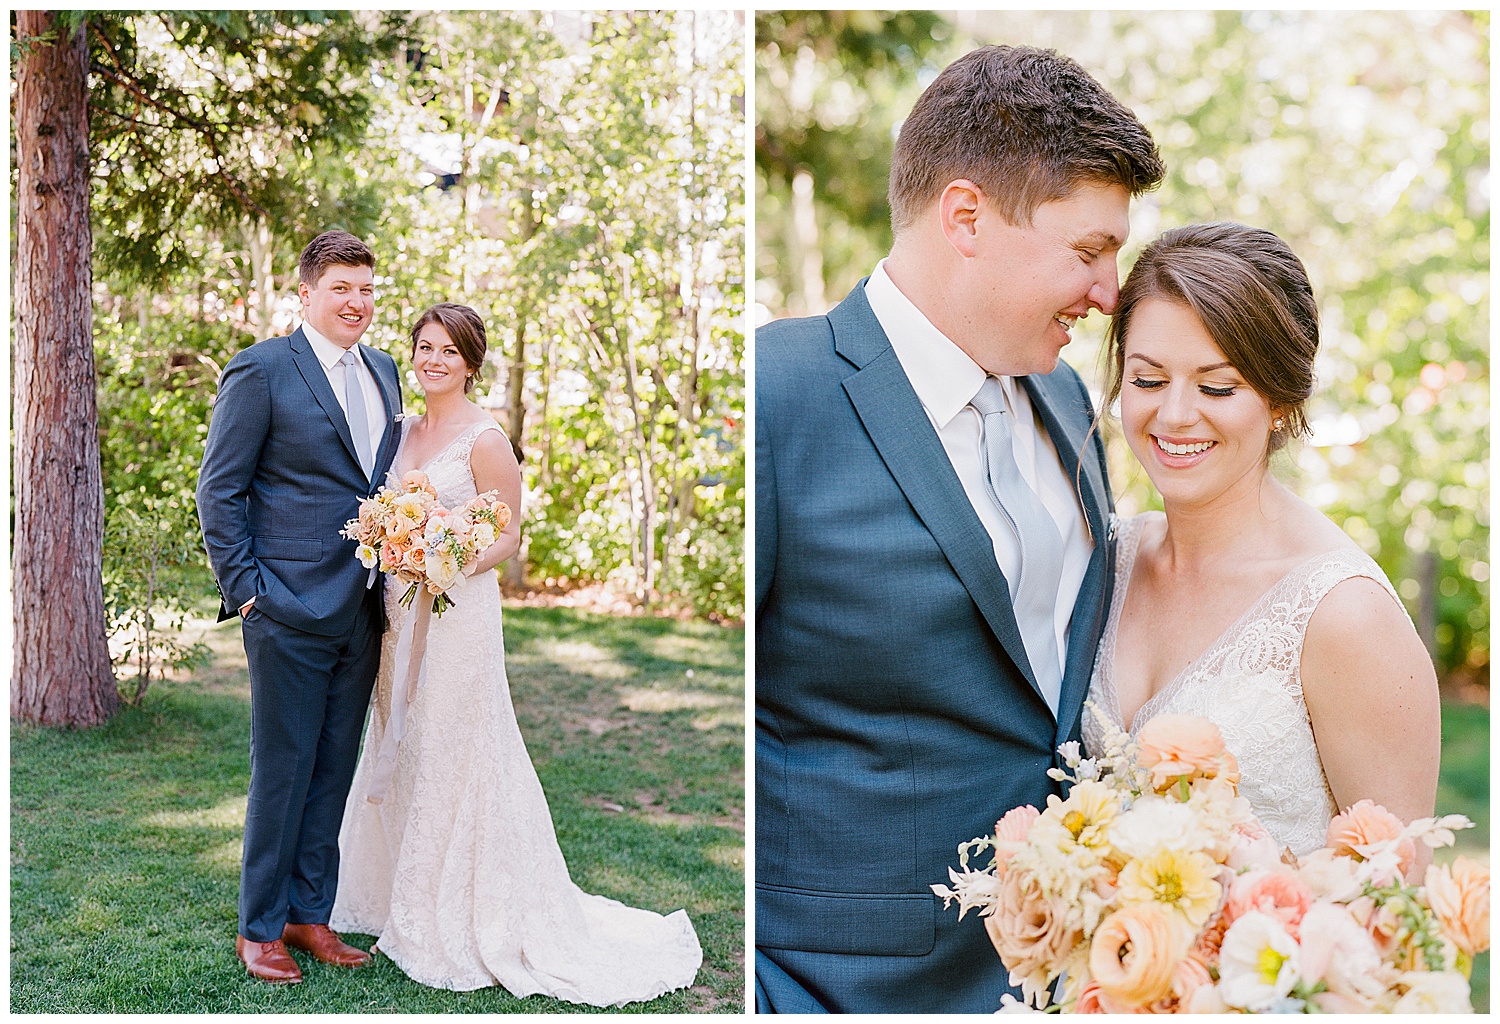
{"points": [[1252, 295], [465, 327]]}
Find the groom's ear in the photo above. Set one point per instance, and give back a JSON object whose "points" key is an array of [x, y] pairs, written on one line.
{"points": [[958, 212]]}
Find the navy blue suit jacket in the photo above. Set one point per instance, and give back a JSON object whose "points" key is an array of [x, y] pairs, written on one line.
{"points": [[896, 713], [280, 477]]}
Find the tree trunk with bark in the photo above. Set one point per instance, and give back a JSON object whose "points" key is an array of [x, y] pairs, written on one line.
{"points": [[62, 668]]}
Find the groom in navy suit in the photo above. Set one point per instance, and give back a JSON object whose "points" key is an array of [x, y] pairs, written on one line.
{"points": [[931, 557], [303, 428]]}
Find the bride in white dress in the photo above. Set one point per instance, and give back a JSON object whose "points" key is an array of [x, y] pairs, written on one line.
{"points": [[457, 869], [1242, 603]]}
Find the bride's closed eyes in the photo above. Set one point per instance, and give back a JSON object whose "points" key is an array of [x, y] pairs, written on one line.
{"points": [[1148, 384]]}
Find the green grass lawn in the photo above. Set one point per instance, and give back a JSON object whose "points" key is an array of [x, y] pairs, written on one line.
{"points": [[125, 840]]}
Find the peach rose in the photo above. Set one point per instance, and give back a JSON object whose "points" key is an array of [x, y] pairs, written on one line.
{"points": [[369, 518], [389, 556], [1135, 954], [502, 513], [1206, 945], [1365, 823], [1184, 746], [1030, 931], [1280, 894], [1460, 897]]}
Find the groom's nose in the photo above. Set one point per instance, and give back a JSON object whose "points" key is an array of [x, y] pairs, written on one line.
{"points": [[1106, 289]]}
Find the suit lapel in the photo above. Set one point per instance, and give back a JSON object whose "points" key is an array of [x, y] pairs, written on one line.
{"points": [[1067, 416], [317, 381], [390, 396], [903, 435]]}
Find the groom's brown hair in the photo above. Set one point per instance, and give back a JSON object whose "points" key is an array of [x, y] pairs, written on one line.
{"points": [[332, 249], [1027, 126]]}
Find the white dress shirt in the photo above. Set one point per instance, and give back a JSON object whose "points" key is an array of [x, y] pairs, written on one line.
{"points": [[946, 381], [329, 355]]}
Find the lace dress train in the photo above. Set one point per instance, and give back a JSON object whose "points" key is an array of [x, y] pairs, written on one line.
{"points": [[458, 870], [1249, 684]]}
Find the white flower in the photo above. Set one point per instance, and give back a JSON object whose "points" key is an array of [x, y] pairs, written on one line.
{"points": [[1155, 822], [1434, 992], [443, 569], [484, 536], [367, 556], [1010, 1004], [1330, 876], [1258, 962]]}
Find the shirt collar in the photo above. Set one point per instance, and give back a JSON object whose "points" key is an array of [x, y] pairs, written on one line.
{"points": [[327, 352], [942, 374]]}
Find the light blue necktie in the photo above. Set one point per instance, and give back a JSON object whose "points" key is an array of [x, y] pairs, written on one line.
{"points": [[1034, 595], [355, 412]]}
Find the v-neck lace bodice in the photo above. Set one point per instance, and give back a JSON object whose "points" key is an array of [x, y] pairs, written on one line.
{"points": [[1249, 683], [448, 468]]}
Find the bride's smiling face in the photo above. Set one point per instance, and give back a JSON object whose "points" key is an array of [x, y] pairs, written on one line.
{"points": [[439, 365], [1197, 427]]}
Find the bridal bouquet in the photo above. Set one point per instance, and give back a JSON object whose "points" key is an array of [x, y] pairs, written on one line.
{"points": [[1153, 889], [405, 531]]}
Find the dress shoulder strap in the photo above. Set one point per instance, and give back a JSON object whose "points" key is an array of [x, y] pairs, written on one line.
{"points": [[463, 445], [1305, 587]]}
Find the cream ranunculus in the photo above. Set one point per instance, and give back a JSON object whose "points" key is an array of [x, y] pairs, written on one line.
{"points": [[1135, 954], [1258, 962], [1184, 882], [1460, 897]]}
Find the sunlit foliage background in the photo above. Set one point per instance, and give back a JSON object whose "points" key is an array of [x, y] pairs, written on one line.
{"points": [[1362, 138]]}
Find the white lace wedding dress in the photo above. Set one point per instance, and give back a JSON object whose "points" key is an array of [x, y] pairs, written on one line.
{"points": [[458, 870], [1249, 684]]}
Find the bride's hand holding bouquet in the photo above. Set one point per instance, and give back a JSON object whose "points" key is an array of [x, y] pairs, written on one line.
{"points": [[405, 531]]}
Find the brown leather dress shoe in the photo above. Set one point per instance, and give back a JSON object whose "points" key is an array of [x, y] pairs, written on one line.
{"points": [[268, 961], [324, 944]]}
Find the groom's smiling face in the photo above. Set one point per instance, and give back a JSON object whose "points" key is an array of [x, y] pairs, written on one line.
{"points": [[1031, 282], [341, 304]]}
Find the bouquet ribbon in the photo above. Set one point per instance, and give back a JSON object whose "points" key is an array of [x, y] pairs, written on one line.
{"points": [[411, 651]]}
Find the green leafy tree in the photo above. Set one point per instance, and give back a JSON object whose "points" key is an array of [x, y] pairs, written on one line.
{"points": [[171, 133]]}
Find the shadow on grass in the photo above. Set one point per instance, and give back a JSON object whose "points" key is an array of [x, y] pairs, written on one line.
{"points": [[126, 839]]}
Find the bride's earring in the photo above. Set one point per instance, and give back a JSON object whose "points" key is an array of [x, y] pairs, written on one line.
{"points": [[1276, 425]]}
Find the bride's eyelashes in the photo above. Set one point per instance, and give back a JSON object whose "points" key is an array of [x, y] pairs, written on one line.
{"points": [[1146, 384]]}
